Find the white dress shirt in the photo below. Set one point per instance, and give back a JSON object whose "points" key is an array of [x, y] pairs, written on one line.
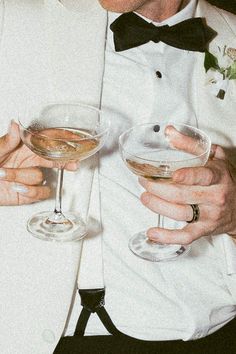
{"points": [[185, 299]]}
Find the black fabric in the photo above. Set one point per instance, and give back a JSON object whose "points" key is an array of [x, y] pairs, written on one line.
{"points": [[82, 322], [228, 5], [221, 342], [126, 345], [130, 31], [92, 299]]}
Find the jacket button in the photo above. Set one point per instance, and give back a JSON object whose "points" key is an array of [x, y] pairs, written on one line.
{"points": [[48, 336]]}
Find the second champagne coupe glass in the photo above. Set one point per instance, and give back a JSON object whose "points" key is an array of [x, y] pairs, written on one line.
{"points": [[62, 132], [155, 151]]}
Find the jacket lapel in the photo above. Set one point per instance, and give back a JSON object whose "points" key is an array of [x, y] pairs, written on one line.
{"points": [[52, 64], [76, 40], [80, 7], [215, 115]]}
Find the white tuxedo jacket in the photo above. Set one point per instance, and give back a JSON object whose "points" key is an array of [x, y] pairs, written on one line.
{"points": [[45, 58]]}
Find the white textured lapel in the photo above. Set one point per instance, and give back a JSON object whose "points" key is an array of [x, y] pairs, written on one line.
{"points": [[76, 33], [76, 44], [80, 6], [213, 114], [60, 52], [23, 58], [216, 116]]}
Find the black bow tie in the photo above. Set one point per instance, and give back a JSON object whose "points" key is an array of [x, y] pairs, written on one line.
{"points": [[131, 31]]}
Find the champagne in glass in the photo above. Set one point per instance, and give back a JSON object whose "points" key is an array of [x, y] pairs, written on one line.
{"points": [[62, 144], [154, 151], [62, 133]]}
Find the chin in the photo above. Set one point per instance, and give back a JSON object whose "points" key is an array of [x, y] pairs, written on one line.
{"points": [[117, 6]]}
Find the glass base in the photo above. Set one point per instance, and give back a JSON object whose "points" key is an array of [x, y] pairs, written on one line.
{"points": [[142, 247], [66, 227]]}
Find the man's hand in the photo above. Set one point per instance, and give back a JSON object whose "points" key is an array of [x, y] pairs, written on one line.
{"points": [[212, 187], [20, 174]]}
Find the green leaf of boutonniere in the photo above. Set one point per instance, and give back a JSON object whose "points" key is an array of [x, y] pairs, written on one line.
{"points": [[232, 71], [222, 70], [210, 62]]}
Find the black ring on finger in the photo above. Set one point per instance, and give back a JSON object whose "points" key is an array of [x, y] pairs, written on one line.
{"points": [[196, 213]]}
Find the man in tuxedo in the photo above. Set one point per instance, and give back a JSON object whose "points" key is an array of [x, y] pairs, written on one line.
{"points": [[60, 55]]}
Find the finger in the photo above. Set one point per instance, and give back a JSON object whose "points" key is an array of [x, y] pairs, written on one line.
{"points": [[183, 236], [219, 153], [29, 159], [212, 151], [180, 212], [31, 194], [11, 140], [182, 194], [174, 211], [202, 176], [72, 165], [29, 176], [180, 141]]}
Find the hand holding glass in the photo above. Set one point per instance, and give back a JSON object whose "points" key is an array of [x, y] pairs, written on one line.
{"points": [[62, 133], [155, 151]]}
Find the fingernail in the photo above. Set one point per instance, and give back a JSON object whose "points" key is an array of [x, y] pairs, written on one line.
{"points": [[2, 173], [154, 235], [74, 166], [167, 131], [145, 198], [19, 188]]}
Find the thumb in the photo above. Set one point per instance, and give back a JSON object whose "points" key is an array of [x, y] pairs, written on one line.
{"points": [[217, 152], [11, 140]]}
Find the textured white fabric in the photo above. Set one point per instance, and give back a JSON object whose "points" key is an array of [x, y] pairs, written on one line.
{"points": [[171, 300], [60, 55], [43, 57]]}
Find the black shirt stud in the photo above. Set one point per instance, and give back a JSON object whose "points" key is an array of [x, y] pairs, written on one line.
{"points": [[158, 74]]}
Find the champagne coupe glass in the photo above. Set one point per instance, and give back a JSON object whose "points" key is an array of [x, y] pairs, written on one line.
{"points": [[62, 132], [155, 151]]}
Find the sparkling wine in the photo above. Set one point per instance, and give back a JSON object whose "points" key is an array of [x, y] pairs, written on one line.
{"points": [[61, 144], [167, 161], [147, 170]]}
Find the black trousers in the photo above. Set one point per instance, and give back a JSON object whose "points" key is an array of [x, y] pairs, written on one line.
{"points": [[221, 342]]}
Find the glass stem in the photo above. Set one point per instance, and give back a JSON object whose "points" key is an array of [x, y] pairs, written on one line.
{"points": [[58, 198], [160, 221], [57, 217]]}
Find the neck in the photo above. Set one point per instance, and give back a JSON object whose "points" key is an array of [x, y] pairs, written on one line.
{"points": [[161, 10]]}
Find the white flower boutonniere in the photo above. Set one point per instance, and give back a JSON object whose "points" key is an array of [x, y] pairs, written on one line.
{"points": [[220, 70]]}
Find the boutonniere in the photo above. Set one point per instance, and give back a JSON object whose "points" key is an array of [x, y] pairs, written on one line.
{"points": [[220, 70]]}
